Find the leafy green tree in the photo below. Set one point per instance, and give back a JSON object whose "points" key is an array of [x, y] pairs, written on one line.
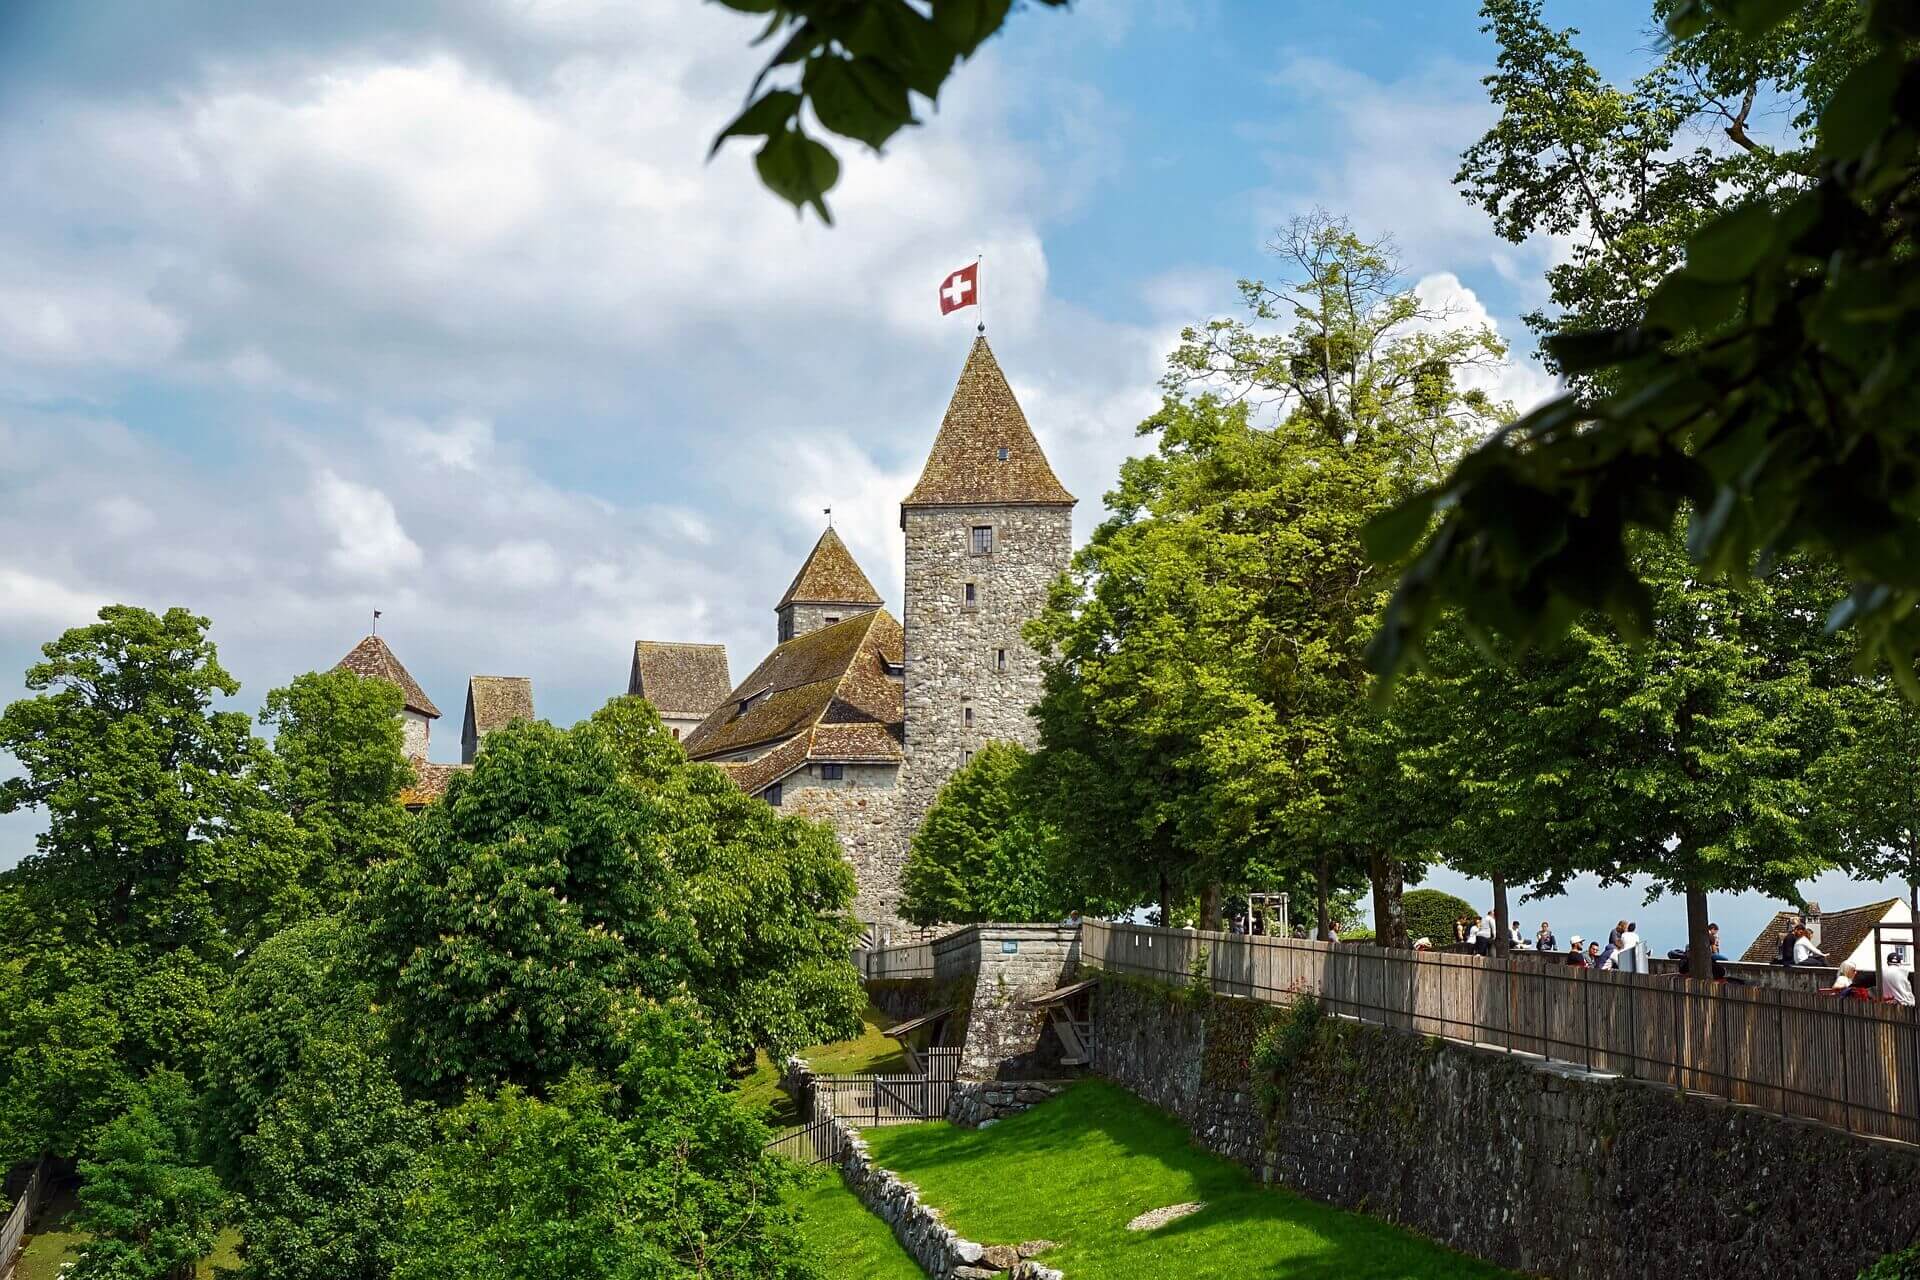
{"points": [[149, 1209], [768, 897], [1204, 673], [341, 769], [983, 853], [163, 858], [331, 1165], [1877, 763], [1766, 387], [1432, 913], [658, 1175], [288, 1008]]}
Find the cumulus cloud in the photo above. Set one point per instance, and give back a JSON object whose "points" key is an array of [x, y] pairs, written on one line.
{"points": [[368, 539]]}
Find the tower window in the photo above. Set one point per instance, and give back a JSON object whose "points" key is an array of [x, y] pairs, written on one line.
{"points": [[966, 758], [970, 598], [999, 659], [676, 735], [773, 795], [966, 716], [833, 772], [982, 539], [1003, 453], [831, 619]]}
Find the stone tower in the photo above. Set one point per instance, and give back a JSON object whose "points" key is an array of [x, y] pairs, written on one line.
{"points": [[828, 588], [988, 529]]}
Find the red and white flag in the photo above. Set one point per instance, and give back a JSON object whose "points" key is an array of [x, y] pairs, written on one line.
{"points": [[961, 289]]}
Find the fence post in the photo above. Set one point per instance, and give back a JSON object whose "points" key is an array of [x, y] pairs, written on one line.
{"points": [[1846, 1078]]}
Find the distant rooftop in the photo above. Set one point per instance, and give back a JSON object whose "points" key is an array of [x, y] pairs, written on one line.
{"points": [[371, 657]]}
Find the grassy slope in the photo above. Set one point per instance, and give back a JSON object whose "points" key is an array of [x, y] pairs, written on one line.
{"points": [[1076, 1169], [842, 1238], [869, 1053]]}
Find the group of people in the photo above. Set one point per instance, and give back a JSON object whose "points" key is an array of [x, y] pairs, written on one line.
{"points": [[1624, 948]]}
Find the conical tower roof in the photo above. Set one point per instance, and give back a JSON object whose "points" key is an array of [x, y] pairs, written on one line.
{"points": [[371, 657], [830, 576], [985, 454]]}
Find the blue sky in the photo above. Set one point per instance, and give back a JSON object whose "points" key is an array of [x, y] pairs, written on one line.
{"points": [[436, 308]]}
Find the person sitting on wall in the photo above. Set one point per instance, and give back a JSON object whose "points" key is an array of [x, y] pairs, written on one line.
{"points": [[1713, 941], [1843, 980], [1804, 952], [1544, 940], [1576, 953]]}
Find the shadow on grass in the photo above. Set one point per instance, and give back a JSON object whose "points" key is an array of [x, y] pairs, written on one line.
{"points": [[1077, 1169]]}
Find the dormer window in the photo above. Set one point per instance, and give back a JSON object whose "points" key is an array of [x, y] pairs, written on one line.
{"points": [[1003, 453]]}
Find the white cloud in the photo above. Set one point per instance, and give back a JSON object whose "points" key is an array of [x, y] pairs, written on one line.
{"points": [[368, 540], [33, 602], [1521, 381]]}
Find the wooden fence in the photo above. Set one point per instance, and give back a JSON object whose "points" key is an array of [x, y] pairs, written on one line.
{"points": [[815, 1142], [13, 1235], [1849, 1063], [914, 960]]}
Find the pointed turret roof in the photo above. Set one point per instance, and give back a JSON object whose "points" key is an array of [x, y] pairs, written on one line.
{"points": [[985, 454], [371, 657], [830, 576]]}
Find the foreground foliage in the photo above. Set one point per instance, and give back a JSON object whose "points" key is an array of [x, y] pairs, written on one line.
{"points": [[983, 853]]}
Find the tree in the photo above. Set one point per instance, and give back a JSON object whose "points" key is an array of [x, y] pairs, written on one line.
{"points": [[1767, 387], [330, 1166], [1432, 913], [659, 1174], [1205, 662], [163, 858], [341, 769], [150, 1210], [861, 63], [983, 853], [1877, 764]]}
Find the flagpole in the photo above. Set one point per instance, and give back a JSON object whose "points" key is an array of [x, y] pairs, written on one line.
{"points": [[980, 292]]}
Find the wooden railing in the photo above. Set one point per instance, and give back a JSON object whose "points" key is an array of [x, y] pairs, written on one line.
{"points": [[914, 960], [815, 1142], [14, 1233], [1854, 1064]]}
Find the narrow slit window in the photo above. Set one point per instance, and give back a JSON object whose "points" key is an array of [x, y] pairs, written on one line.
{"points": [[970, 598], [999, 659], [966, 715]]}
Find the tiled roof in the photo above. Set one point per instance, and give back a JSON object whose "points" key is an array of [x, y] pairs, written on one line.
{"points": [[680, 679], [830, 576], [1841, 932], [371, 657], [829, 688], [493, 701], [983, 418], [429, 782], [752, 776]]}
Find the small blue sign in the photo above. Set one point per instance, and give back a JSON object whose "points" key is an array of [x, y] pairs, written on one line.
{"points": [[1009, 947]]}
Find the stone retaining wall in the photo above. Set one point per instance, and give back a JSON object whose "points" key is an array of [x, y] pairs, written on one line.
{"points": [[1548, 1170], [975, 1104]]}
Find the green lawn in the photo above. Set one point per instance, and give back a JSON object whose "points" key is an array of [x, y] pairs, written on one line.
{"points": [[869, 1053], [1077, 1169], [55, 1241], [842, 1238]]}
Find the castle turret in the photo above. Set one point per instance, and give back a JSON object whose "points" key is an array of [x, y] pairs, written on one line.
{"points": [[828, 588], [493, 702], [372, 658], [988, 528]]}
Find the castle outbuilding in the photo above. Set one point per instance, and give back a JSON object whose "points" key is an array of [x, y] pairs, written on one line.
{"points": [[858, 720], [684, 682], [493, 702]]}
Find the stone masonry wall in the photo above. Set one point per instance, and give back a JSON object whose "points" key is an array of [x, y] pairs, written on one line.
{"points": [[1015, 962], [416, 731], [805, 618], [951, 651], [863, 808], [1546, 1170], [975, 1104]]}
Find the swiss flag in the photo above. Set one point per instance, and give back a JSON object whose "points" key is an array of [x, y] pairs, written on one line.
{"points": [[961, 289]]}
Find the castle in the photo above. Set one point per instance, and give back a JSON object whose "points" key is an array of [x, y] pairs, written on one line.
{"points": [[855, 718]]}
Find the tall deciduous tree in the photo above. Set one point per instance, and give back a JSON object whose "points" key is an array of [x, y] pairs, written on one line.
{"points": [[149, 1208], [983, 853], [1206, 665], [163, 859], [341, 769]]}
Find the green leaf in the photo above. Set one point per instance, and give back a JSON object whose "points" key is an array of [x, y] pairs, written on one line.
{"points": [[968, 23], [1390, 535], [1588, 350], [766, 115], [751, 6], [1861, 109], [895, 34], [857, 98], [1731, 246], [799, 170], [1756, 17], [1684, 303]]}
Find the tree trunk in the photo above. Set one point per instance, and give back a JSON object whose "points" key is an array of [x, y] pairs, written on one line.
{"points": [[1210, 905], [1502, 935], [1323, 918], [1699, 950], [1166, 902], [1389, 917]]}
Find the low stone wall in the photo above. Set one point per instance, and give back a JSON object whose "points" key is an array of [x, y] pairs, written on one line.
{"points": [[1542, 1169], [975, 1104]]}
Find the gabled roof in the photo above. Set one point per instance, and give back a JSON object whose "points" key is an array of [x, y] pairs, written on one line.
{"points": [[371, 657], [679, 679], [830, 576], [825, 695], [1841, 932], [493, 701], [429, 782], [983, 418]]}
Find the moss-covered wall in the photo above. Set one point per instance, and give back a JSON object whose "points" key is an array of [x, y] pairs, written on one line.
{"points": [[1544, 1170]]}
